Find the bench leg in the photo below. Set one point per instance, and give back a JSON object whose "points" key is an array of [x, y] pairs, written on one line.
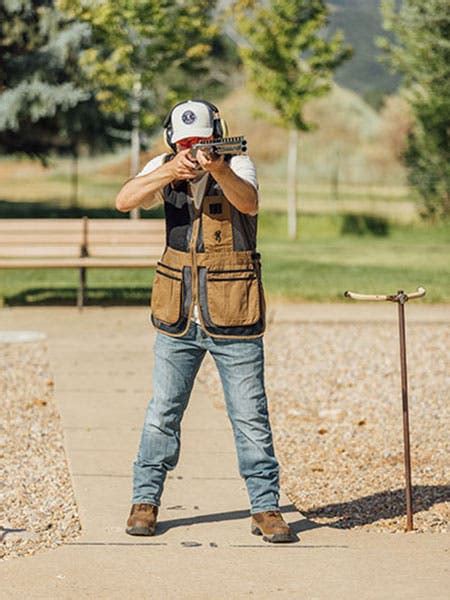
{"points": [[81, 295]]}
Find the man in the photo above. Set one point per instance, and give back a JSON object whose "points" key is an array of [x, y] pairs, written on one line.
{"points": [[207, 296]]}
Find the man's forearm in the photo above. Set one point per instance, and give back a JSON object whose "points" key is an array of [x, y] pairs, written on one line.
{"points": [[141, 190], [239, 192]]}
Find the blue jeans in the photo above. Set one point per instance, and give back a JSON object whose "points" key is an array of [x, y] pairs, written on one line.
{"points": [[241, 369]]}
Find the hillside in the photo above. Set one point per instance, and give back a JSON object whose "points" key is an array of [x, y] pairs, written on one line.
{"points": [[361, 22]]}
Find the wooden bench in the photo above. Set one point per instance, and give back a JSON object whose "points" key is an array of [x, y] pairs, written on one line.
{"points": [[81, 244]]}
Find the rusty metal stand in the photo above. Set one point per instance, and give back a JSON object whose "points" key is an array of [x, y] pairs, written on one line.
{"points": [[401, 298]]}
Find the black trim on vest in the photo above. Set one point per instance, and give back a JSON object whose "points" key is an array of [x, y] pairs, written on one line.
{"points": [[178, 224], [244, 229], [187, 293], [177, 327], [167, 267]]}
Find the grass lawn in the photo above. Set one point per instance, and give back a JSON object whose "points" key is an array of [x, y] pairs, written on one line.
{"points": [[322, 264], [319, 266]]}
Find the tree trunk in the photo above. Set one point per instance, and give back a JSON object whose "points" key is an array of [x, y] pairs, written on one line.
{"points": [[74, 179], [335, 180], [292, 183], [135, 142], [134, 163]]}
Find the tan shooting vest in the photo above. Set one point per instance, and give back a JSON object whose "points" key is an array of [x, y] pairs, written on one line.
{"points": [[210, 257]]}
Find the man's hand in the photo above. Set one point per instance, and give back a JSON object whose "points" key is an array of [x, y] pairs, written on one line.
{"points": [[183, 166], [211, 163]]}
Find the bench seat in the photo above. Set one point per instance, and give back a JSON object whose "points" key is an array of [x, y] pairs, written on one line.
{"points": [[88, 261], [81, 244]]}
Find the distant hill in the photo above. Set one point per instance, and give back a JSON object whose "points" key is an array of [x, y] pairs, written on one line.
{"points": [[361, 22]]}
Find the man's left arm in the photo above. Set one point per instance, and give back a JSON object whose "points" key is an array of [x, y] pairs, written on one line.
{"points": [[242, 194]]}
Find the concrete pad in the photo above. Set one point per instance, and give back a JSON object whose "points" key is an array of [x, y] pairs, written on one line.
{"points": [[203, 547]]}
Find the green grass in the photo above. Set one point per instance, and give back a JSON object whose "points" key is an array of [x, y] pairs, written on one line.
{"points": [[322, 263], [319, 266]]}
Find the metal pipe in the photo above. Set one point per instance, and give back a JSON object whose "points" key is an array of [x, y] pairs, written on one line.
{"points": [[407, 452], [401, 298]]}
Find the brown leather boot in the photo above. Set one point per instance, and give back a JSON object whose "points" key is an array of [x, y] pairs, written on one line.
{"points": [[271, 525], [142, 519]]}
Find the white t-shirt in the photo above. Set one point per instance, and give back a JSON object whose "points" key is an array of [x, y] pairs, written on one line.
{"points": [[241, 164]]}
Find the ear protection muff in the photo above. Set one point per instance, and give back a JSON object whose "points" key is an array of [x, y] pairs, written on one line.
{"points": [[220, 127]]}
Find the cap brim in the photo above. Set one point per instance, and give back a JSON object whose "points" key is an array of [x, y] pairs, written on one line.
{"points": [[183, 133]]}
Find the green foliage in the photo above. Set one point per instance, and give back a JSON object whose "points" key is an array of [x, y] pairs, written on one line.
{"points": [[423, 56], [355, 224], [44, 103], [361, 23], [138, 47], [286, 55], [318, 267]]}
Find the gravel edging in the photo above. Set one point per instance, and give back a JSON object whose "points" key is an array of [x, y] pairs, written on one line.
{"points": [[336, 413], [37, 507]]}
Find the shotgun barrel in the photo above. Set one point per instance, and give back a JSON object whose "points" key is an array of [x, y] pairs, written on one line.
{"points": [[229, 145]]}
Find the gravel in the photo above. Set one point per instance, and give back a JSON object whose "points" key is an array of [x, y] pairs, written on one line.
{"points": [[335, 407], [37, 504], [336, 412]]}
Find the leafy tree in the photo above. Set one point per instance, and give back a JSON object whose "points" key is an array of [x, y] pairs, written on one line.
{"points": [[422, 55], [45, 105], [289, 60], [139, 49]]}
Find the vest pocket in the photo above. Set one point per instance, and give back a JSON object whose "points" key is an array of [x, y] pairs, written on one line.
{"points": [[233, 297], [166, 296]]}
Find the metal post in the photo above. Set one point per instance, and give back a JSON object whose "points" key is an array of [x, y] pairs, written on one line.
{"points": [[402, 298]]}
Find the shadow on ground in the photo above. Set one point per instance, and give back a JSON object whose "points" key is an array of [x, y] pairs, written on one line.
{"points": [[297, 526], [4, 531], [67, 296], [383, 505]]}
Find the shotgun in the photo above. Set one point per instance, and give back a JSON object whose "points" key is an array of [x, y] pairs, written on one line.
{"points": [[228, 145]]}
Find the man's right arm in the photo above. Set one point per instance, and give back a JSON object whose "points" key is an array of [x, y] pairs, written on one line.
{"points": [[143, 190]]}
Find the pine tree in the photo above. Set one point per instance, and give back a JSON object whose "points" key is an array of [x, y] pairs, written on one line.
{"points": [[422, 55], [46, 105], [35, 48]]}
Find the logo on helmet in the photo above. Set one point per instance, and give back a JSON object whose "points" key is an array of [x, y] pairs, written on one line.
{"points": [[188, 117]]}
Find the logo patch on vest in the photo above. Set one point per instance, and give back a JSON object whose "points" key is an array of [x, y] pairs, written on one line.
{"points": [[215, 209], [188, 117]]}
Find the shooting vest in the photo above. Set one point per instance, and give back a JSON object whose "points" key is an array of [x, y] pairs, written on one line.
{"points": [[210, 257]]}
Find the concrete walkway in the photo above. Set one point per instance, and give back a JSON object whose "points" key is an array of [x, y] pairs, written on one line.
{"points": [[102, 360]]}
